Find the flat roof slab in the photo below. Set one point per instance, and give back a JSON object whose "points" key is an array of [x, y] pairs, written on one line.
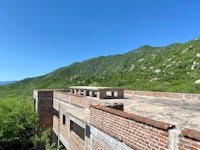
{"points": [[183, 114], [94, 88]]}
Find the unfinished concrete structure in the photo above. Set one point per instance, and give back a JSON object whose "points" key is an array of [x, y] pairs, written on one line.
{"points": [[98, 118]]}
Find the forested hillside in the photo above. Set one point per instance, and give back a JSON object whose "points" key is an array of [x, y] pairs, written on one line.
{"points": [[174, 68]]}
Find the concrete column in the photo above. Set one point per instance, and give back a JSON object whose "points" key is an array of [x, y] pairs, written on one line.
{"points": [[91, 93], [84, 93], [79, 92], [174, 139], [72, 91], [120, 93], [98, 95]]}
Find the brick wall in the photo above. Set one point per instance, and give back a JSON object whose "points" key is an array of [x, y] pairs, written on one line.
{"points": [[178, 96], [141, 133], [96, 145], [188, 144], [123, 127], [76, 100], [44, 106], [190, 140]]}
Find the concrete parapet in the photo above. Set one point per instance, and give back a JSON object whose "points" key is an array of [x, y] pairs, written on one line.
{"points": [[99, 92]]}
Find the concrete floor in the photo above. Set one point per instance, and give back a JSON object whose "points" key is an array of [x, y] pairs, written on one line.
{"points": [[183, 114]]}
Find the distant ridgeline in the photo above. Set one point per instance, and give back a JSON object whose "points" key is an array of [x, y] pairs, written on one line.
{"points": [[173, 68], [6, 82]]}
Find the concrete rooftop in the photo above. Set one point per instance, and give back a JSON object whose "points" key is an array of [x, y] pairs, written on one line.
{"points": [[92, 88], [182, 113]]}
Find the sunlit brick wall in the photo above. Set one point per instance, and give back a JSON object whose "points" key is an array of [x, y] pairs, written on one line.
{"points": [[124, 128]]}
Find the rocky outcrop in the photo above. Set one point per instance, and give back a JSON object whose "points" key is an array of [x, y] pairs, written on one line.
{"points": [[157, 71], [194, 65], [197, 81]]}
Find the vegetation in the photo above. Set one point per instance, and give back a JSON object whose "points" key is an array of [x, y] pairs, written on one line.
{"points": [[17, 124]]}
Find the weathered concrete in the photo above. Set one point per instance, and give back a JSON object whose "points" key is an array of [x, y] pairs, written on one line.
{"points": [[174, 139], [106, 140], [182, 113], [99, 92], [77, 121]]}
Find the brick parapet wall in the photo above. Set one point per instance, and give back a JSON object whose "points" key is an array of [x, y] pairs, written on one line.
{"points": [[76, 100], [178, 96], [141, 133], [141, 119], [123, 127], [188, 144], [190, 140]]}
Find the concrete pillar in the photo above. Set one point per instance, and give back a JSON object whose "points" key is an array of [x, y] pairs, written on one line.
{"points": [[120, 93], [98, 95], [72, 91], [79, 92], [86, 93], [174, 139], [91, 93]]}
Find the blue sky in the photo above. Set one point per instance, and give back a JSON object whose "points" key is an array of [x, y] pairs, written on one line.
{"points": [[39, 36]]}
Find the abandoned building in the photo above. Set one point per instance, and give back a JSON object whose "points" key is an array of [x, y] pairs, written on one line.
{"points": [[103, 118]]}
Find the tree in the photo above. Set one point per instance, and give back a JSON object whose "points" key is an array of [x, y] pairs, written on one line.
{"points": [[17, 124]]}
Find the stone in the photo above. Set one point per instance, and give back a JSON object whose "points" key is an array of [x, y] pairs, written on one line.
{"points": [[184, 51], [197, 39], [168, 65], [132, 67], [197, 81], [198, 55], [157, 71], [140, 60], [154, 79], [151, 67], [191, 47], [194, 65]]}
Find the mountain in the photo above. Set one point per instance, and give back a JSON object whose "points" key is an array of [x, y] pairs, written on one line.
{"points": [[173, 68], [6, 82]]}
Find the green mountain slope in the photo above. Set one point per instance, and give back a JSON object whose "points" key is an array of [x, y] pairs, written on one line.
{"points": [[173, 68], [103, 65]]}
